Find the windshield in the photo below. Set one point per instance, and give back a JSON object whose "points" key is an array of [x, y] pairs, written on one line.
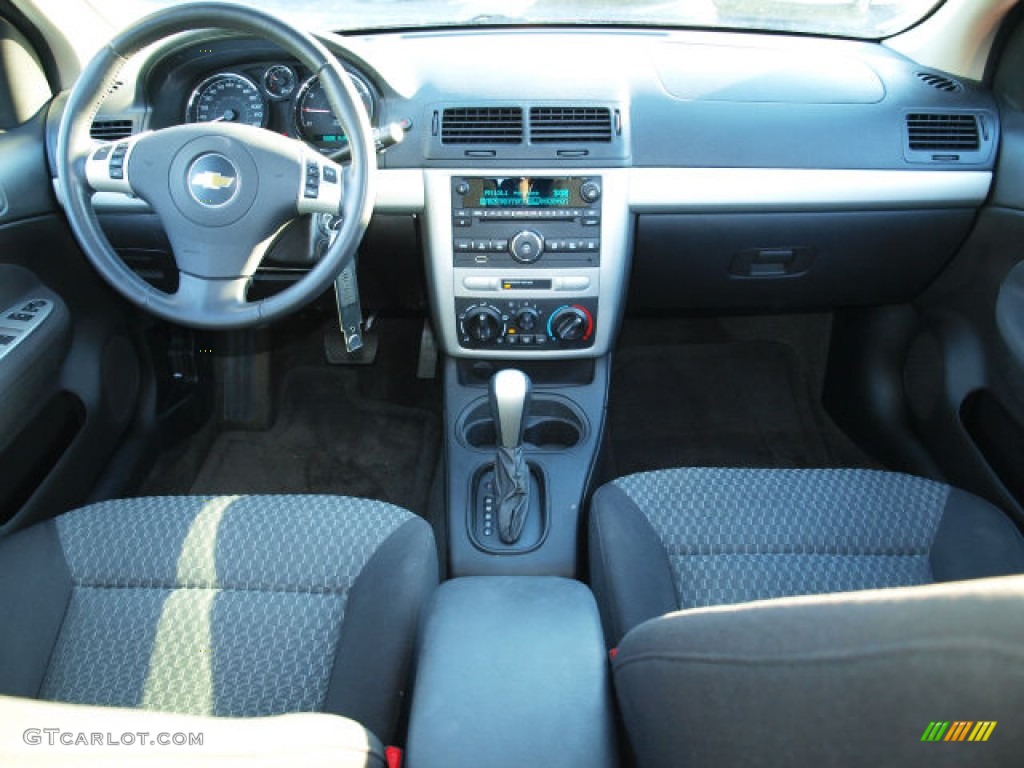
{"points": [[851, 18]]}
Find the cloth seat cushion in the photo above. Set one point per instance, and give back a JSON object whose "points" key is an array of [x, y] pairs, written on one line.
{"points": [[855, 679], [232, 605], [691, 537]]}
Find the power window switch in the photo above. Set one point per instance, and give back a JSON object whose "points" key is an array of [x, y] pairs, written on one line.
{"points": [[6, 339], [22, 317]]}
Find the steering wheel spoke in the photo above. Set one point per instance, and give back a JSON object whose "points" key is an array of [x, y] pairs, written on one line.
{"points": [[320, 188], [106, 166], [212, 296]]}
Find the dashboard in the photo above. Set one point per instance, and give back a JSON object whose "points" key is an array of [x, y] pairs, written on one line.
{"points": [[280, 96], [247, 81], [722, 170]]}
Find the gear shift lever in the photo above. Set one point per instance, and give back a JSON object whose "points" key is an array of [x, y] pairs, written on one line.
{"points": [[510, 396]]}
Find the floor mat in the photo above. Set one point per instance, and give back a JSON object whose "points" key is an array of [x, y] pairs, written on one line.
{"points": [[328, 439], [735, 403]]}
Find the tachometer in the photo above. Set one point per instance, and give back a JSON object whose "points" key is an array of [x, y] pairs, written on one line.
{"points": [[228, 97], [314, 118]]}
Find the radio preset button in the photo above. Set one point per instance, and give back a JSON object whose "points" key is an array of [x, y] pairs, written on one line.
{"points": [[463, 245]]}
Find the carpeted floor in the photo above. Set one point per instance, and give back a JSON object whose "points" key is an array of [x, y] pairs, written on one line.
{"points": [[718, 399], [328, 439]]}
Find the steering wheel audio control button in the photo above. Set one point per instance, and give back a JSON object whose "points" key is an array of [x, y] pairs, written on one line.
{"points": [[106, 167], [321, 188]]}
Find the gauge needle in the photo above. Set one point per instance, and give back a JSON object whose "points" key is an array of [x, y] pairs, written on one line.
{"points": [[321, 111]]}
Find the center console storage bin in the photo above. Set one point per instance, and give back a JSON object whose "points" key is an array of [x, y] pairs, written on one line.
{"points": [[512, 672]]}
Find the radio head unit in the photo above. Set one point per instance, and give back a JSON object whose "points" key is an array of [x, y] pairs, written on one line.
{"points": [[526, 221], [525, 193]]}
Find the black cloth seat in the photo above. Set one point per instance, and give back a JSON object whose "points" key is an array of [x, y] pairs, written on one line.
{"points": [[776, 658], [234, 605], [914, 676], [685, 538]]}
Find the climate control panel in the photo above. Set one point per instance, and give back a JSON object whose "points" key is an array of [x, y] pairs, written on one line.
{"points": [[526, 323]]}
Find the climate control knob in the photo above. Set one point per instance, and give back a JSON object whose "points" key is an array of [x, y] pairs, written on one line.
{"points": [[483, 324], [527, 320], [570, 323], [526, 247]]}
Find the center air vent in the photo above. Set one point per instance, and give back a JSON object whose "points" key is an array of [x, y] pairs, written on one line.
{"points": [[482, 125], [110, 130], [943, 132], [563, 125], [940, 82]]}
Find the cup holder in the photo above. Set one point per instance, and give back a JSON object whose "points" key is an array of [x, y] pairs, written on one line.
{"points": [[552, 425]]}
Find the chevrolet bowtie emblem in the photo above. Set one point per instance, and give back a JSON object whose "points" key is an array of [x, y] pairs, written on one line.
{"points": [[212, 180]]}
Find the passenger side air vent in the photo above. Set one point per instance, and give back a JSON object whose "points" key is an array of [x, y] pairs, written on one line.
{"points": [[570, 125], [110, 130], [482, 125], [929, 132], [940, 82]]}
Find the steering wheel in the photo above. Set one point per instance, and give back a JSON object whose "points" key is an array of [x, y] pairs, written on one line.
{"points": [[222, 191]]}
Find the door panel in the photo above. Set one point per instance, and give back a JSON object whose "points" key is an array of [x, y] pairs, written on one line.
{"points": [[69, 388], [964, 378]]}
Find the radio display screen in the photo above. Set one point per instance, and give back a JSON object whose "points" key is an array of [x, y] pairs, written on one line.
{"points": [[523, 192]]}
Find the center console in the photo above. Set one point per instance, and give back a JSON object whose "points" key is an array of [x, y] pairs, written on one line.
{"points": [[527, 270], [527, 264], [512, 672]]}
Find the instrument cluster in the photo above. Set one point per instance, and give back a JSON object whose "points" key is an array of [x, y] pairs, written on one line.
{"points": [[278, 96]]}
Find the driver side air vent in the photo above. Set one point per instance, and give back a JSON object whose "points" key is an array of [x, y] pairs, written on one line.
{"points": [[930, 132], [110, 130], [940, 82], [482, 125], [550, 125]]}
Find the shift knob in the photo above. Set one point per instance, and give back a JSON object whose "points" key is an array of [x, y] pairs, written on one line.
{"points": [[510, 397]]}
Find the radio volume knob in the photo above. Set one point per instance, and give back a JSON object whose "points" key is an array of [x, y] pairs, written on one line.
{"points": [[590, 191], [526, 247]]}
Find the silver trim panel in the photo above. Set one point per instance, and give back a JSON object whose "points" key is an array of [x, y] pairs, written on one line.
{"points": [[678, 190], [667, 190]]}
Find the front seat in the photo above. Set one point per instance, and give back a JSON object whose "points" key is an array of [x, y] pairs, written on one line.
{"points": [[685, 538], [775, 659], [239, 606]]}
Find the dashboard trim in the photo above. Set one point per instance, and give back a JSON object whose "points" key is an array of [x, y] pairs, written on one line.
{"points": [[679, 190], [712, 190]]}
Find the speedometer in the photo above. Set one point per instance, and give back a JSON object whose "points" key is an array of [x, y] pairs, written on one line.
{"points": [[314, 118], [227, 97]]}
